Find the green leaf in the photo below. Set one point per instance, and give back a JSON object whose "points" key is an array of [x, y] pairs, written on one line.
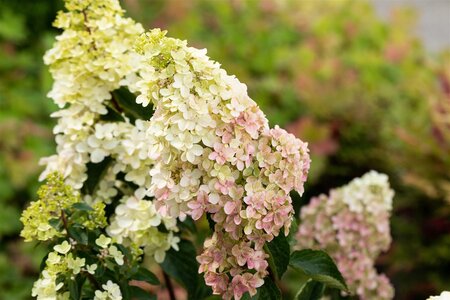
{"points": [[319, 266], [125, 290], [202, 291], [139, 294], [82, 206], [268, 291], [292, 232], [79, 234], [55, 223], [145, 275], [73, 289], [211, 222], [125, 251], [100, 271], [112, 115], [312, 290], [110, 264], [183, 267], [127, 102], [12, 25], [43, 263], [279, 251], [188, 224], [95, 172]]}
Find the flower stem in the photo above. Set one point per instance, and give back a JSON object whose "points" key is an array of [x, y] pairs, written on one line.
{"points": [[169, 286]]}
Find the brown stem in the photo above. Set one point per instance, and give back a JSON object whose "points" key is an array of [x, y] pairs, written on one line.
{"points": [[169, 286], [93, 281], [116, 104], [64, 220], [87, 27]]}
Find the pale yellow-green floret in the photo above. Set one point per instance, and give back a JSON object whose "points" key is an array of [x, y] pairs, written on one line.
{"points": [[54, 197]]}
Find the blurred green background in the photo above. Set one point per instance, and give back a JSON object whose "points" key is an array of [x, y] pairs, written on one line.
{"points": [[363, 92]]}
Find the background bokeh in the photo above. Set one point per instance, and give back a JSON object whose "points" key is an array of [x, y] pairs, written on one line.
{"points": [[364, 92]]}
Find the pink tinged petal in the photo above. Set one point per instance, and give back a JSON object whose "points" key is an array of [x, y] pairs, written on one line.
{"points": [[214, 198], [248, 229], [229, 207]]}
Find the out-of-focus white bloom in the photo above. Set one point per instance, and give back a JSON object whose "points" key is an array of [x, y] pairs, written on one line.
{"points": [[363, 194], [442, 296]]}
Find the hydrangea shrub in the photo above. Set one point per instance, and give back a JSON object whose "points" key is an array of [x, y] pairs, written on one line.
{"points": [[152, 134]]}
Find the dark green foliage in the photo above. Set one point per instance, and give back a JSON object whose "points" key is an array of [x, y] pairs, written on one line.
{"points": [[269, 291], [183, 267], [95, 173], [319, 266], [124, 101], [278, 250], [312, 290], [147, 276]]}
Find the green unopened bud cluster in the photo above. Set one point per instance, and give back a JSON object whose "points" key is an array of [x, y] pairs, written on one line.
{"points": [[54, 198]]}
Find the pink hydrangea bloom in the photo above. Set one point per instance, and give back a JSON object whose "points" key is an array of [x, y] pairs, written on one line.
{"points": [[352, 225]]}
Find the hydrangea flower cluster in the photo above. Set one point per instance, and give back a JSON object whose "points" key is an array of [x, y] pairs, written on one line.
{"points": [[62, 264], [136, 222], [206, 150], [60, 215], [91, 58], [216, 155], [352, 225], [55, 197], [87, 62]]}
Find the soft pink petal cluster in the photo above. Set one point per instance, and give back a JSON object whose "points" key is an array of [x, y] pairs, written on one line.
{"points": [[352, 225]]}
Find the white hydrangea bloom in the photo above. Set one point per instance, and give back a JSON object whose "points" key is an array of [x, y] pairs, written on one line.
{"points": [[58, 262], [356, 195], [45, 288], [88, 61], [92, 57], [442, 296], [135, 223]]}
